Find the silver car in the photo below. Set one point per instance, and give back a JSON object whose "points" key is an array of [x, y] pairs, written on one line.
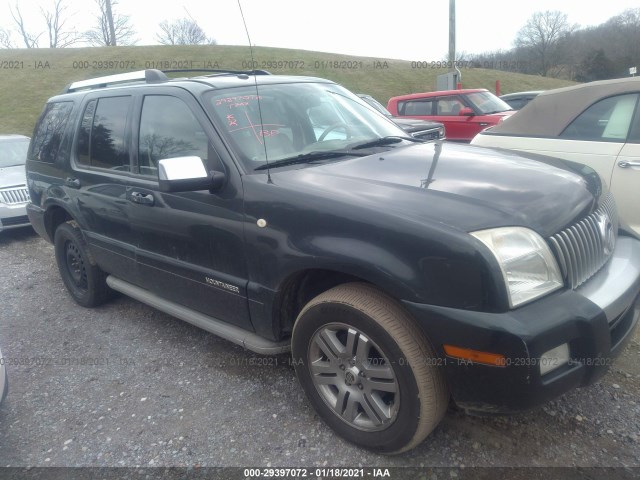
{"points": [[14, 195], [4, 385]]}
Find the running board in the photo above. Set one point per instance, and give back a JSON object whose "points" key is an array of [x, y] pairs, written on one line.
{"points": [[234, 334]]}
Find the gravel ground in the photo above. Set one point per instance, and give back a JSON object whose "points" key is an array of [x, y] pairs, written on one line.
{"points": [[126, 385]]}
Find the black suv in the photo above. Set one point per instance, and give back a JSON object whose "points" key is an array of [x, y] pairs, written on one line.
{"points": [[282, 213]]}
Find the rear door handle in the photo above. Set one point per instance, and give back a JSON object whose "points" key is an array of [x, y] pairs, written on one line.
{"points": [[141, 198], [72, 182], [624, 164]]}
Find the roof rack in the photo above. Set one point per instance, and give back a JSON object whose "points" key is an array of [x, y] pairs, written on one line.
{"points": [[147, 76], [221, 71]]}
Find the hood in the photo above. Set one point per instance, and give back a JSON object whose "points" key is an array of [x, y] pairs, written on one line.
{"points": [[462, 186], [12, 176], [414, 124]]}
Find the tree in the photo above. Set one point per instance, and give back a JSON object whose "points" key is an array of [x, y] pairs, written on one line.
{"points": [[56, 20], [30, 40], [5, 39], [543, 37], [184, 31], [111, 28], [627, 29], [595, 66]]}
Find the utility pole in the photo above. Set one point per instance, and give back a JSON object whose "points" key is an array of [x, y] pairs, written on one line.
{"points": [[112, 30], [452, 32], [454, 71]]}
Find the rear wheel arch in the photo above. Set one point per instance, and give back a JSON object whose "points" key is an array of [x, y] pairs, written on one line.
{"points": [[55, 216], [83, 278]]}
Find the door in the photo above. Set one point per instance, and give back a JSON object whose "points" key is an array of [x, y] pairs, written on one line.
{"points": [[97, 185], [190, 245], [457, 127], [625, 179]]}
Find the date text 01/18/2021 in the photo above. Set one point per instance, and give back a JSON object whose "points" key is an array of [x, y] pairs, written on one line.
{"points": [[325, 472]]}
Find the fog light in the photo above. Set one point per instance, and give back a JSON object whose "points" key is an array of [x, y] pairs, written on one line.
{"points": [[554, 358]]}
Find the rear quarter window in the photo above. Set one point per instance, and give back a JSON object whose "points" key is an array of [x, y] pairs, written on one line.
{"points": [[49, 132]]}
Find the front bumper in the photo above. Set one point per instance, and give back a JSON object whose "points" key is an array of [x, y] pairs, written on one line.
{"points": [[596, 321], [13, 216], [4, 385]]}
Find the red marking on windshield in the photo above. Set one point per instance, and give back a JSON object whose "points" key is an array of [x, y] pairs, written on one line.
{"points": [[253, 128], [240, 101]]}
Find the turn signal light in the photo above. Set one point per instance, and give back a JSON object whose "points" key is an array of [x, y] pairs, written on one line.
{"points": [[486, 358]]}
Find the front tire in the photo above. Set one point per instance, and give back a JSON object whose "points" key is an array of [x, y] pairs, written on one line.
{"points": [[84, 280], [367, 369]]}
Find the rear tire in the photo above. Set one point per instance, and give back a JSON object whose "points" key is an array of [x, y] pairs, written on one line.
{"points": [[367, 369], [84, 280]]}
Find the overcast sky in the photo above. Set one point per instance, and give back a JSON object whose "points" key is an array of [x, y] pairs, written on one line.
{"points": [[404, 29]]}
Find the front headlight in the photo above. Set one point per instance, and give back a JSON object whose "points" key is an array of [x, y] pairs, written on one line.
{"points": [[528, 266]]}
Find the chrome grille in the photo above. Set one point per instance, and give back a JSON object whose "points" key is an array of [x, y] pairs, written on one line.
{"points": [[583, 248], [14, 196]]}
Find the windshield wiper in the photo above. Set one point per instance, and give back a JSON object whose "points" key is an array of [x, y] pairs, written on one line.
{"points": [[309, 157], [379, 142]]}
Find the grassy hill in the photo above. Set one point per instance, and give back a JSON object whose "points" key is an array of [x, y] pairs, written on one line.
{"points": [[29, 76]]}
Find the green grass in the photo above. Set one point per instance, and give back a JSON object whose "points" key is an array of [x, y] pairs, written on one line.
{"points": [[24, 90]]}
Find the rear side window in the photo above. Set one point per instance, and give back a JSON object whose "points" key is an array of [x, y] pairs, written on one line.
{"points": [[416, 107], [50, 132], [102, 140], [607, 120]]}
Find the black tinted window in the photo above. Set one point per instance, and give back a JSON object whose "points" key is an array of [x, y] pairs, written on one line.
{"points": [[50, 131], [85, 132], [168, 129], [107, 144]]}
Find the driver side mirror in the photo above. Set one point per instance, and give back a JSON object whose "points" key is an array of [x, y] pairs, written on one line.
{"points": [[187, 174], [466, 112]]}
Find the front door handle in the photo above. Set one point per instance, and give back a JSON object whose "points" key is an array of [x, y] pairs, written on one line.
{"points": [[625, 164], [142, 198], [72, 182]]}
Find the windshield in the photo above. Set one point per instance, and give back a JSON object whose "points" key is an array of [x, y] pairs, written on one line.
{"points": [[487, 102], [293, 119], [13, 152]]}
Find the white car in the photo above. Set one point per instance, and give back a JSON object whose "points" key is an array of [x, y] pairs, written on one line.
{"points": [[596, 124]]}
